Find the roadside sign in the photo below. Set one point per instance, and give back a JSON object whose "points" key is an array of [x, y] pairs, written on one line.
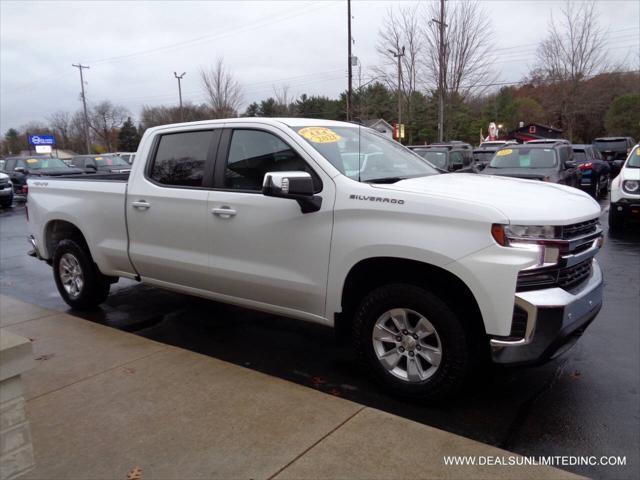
{"points": [[42, 140], [43, 148]]}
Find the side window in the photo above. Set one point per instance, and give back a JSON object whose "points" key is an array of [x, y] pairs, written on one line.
{"points": [[456, 158], [253, 153], [180, 158], [564, 156], [10, 165]]}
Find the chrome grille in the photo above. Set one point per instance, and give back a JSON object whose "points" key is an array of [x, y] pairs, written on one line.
{"points": [[579, 229], [572, 276]]}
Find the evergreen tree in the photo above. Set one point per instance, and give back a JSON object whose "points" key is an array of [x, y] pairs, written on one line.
{"points": [[128, 137], [12, 142]]}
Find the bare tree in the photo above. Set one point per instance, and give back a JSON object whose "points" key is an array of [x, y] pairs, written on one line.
{"points": [[573, 51], [284, 101], [105, 119], [467, 48], [401, 29], [222, 90], [60, 123]]}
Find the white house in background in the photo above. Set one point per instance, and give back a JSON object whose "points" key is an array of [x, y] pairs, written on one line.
{"points": [[381, 126]]}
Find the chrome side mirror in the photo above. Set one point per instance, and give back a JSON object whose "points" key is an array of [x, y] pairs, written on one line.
{"points": [[293, 185]]}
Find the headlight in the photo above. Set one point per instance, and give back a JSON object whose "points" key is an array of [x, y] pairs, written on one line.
{"points": [[531, 231], [631, 186], [543, 239]]}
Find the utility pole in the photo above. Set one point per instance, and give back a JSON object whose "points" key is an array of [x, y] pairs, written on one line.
{"points": [[350, 89], [399, 54], [179, 77], [80, 67], [441, 71]]}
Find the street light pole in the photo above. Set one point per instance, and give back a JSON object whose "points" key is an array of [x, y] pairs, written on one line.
{"points": [[350, 89], [399, 54], [179, 77], [441, 71], [80, 67]]}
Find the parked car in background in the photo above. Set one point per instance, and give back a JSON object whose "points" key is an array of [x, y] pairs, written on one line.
{"points": [[448, 157], [107, 163], [20, 169], [547, 162], [483, 154], [497, 143], [548, 141], [614, 148], [595, 171], [6, 191], [127, 156], [625, 192]]}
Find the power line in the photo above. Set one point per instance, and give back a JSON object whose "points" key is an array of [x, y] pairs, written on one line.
{"points": [[261, 23]]}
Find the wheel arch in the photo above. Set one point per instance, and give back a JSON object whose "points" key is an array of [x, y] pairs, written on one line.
{"points": [[373, 272], [57, 230]]}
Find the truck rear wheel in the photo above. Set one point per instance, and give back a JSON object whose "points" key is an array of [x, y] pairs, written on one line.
{"points": [[79, 281], [412, 342]]}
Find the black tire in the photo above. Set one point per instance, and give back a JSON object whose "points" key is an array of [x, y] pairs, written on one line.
{"points": [[605, 188], [456, 362], [6, 204], [95, 285], [616, 221]]}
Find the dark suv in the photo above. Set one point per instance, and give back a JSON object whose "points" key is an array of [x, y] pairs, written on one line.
{"points": [[595, 171], [614, 148], [21, 168], [107, 163], [549, 162], [448, 157]]}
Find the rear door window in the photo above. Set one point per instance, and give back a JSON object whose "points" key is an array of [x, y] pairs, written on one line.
{"points": [[180, 158]]}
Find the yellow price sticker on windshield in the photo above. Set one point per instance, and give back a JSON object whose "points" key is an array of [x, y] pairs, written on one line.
{"points": [[32, 160], [502, 153], [98, 158], [319, 135]]}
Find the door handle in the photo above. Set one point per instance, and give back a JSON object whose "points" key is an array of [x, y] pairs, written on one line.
{"points": [[224, 211], [141, 205]]}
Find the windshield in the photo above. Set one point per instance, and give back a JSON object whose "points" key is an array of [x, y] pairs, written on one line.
{"points": [[437, 158], [619, 144], [110, 161], [365, 155], [524, 158], [44, 163], [634, 158]]}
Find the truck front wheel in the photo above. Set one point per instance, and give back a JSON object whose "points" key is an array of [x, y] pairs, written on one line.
{"points": [[412, 342], [79, 281]]}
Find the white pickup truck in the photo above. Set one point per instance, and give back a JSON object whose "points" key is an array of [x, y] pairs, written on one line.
{"points": [[333, 223]]}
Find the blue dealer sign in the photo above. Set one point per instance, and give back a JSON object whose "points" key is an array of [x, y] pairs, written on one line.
{"points": [[42, 140]]}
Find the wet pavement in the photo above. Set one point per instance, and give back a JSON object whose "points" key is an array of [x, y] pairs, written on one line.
{"points": [[584, 403]]}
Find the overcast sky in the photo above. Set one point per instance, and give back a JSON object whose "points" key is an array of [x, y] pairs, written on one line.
{"points": [[133, 48]]}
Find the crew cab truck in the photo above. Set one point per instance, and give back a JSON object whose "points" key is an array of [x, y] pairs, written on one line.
{"points": [[429, 273]]}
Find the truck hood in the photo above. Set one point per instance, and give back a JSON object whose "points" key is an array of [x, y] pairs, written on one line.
{"points": [[529, 202]]}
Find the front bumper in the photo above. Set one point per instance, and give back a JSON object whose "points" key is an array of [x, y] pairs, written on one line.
{"points": [[627, 207], [555, 319]]}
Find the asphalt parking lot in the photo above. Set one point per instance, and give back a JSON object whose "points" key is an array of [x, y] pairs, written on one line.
{"points": [[584, 403]]}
